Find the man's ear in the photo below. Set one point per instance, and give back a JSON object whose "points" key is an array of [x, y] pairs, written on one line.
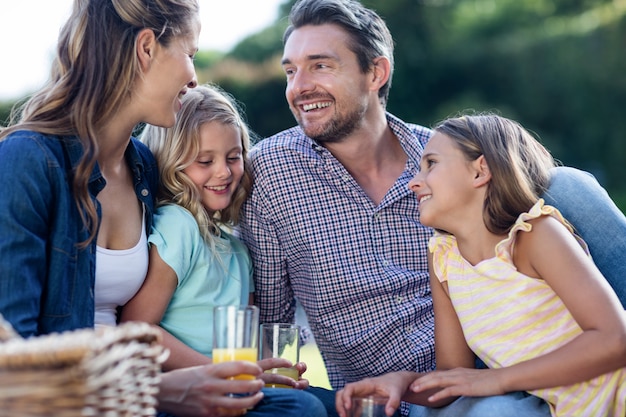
{"points": [[380, 72], [481, 171], [145, 47]]}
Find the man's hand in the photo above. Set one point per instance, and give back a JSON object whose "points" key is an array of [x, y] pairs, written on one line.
{"points": [[270, 363]]}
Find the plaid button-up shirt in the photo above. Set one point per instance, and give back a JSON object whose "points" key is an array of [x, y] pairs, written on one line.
{"points": [[358, 269]]}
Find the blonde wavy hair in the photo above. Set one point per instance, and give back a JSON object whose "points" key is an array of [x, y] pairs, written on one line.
{"points": [[177, 147], [93, 73], [519, 164]]}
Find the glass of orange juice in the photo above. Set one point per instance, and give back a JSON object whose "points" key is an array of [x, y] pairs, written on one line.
{"points": [[235, 334], [280, 340]]}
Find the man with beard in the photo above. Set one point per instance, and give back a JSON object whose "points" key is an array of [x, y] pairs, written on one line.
{"points": [[331, 221]]}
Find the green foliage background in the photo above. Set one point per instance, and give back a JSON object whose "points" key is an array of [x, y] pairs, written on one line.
{"points": [[556, 66]]}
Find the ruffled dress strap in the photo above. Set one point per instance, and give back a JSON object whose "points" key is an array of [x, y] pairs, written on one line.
{"points": [[445, 253], [504, 249]]}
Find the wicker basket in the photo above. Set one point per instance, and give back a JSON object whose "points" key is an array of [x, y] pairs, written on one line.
{"points": [[106, 372]]}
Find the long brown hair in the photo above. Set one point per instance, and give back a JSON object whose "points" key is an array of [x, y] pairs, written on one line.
{"points": [[94, 73], [519, 164]]}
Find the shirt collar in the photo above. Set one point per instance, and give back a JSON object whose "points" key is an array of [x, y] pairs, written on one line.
{"points": [[406, 136], [74, 149]]}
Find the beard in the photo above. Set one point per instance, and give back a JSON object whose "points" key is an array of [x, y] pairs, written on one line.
{"points": [[338, 128]]}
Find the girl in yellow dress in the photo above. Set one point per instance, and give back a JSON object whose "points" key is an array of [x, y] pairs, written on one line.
{"points": [[512, 285]]}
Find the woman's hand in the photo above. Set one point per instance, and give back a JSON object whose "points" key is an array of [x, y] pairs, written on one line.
{"points": [[203, 391]]}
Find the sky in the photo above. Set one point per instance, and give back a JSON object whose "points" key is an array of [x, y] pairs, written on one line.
{"points": [[29, 31]]}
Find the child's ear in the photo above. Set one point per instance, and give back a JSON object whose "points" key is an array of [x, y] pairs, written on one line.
{"points": [[482, 172]]}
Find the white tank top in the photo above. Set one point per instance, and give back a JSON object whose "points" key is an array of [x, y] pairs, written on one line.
{"points": [[119, 275]]}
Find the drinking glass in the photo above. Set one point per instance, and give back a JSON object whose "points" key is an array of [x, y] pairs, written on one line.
{"points": [[280, 340], [235, 334], [371, 406]]}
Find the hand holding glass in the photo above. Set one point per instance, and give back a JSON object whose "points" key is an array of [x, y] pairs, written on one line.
{"points": [[235, 334], [281, 340]]}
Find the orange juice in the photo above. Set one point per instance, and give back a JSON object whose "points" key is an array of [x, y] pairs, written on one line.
{"points": [[290, 372], [235, 354]]}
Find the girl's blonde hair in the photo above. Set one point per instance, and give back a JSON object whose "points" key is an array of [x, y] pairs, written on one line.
{"points": [[94, 72], [518, 163], [177, 147]]}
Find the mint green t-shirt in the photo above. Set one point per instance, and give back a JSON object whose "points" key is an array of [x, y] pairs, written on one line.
{"points": [[205, 279]]}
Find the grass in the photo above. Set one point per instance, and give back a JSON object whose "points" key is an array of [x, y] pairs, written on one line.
{"points": [[316, 371]]}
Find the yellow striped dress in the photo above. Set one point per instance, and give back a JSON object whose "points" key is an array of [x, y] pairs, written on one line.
{"points": [[508, 317]]}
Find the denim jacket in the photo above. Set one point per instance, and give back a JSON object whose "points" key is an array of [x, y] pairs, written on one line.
{"points": [[46, 279]]}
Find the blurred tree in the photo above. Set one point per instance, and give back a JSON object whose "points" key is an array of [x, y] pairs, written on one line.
{"points": [[5, 111], [556, 66], [260, 46], [206, 59]]}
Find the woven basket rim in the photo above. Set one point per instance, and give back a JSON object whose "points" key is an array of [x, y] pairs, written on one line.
{"points": [[109, 371], [70, 347]]}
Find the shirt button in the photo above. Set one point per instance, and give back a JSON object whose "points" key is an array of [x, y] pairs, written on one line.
{"points": [[409, 329], [385, 263], [399, 299], [145, 192]]}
